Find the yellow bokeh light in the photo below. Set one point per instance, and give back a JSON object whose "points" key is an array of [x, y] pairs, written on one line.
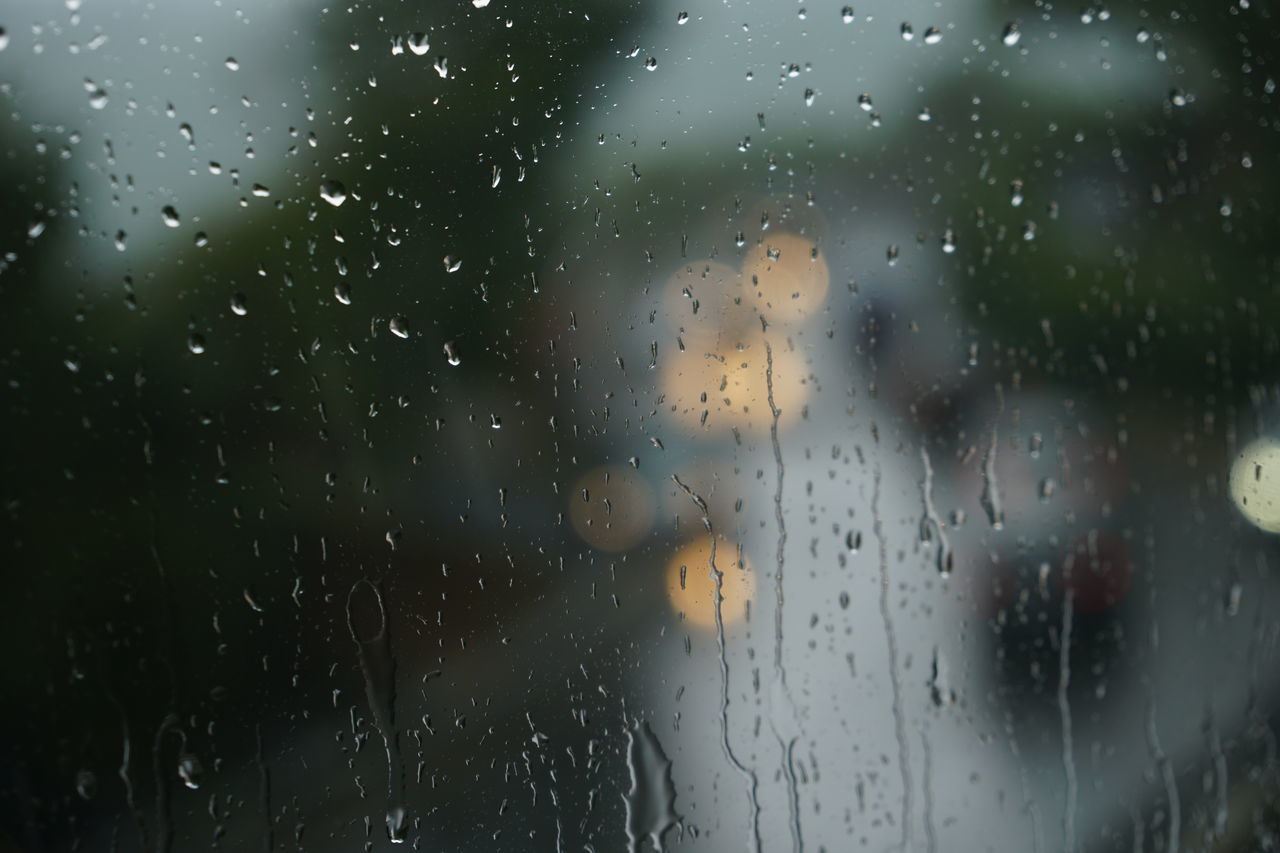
{"points": [[691, 587], [728, 387], [1255, 484], [611, 508], [787, 277]]}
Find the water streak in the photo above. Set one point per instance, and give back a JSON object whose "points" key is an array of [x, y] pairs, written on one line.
{"points": [[747, 774]]}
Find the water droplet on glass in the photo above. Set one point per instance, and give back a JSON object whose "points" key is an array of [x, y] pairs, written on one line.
{"points": [[170, 216], [846, 14], [86, 784], [949, 241], [399, 326], [651, 63], [682, 18], [195, 343], [191, 771], [418, 44], [853, 541], [452, 263], [451, 353], [864, 101], [342, 292], [932, 35], [1011, 35], [97, 97], [232, 64], [907, 33], [651, 800], [333, 192], [238, 306]]}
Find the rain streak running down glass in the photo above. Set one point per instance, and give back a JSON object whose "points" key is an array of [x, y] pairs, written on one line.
{"points": [[619, 426]]}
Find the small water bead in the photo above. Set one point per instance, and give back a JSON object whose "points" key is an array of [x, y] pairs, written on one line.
{"points": [[195, 343], [170, 216], [238, 304], [191, 771], [418, 44], [399, 326], [342, 292], [1011, 35], [907, 33], [846, 14], [333, 192], [932, 35]]}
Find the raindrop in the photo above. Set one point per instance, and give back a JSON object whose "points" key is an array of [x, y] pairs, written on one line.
{"points": [[932, 35], [864, 101], [949, 241], [853, 541], [808, 97], [97, 97], [682, 18], [238, 306], [846, 14], [1015, 193], [907, 33], [333, 192], [191, 771], [891, 254], [651, 63], [651, 800], [452, 263], [418, 44], [86, 780], [479, 4], [4, 39], [1011, 35], [201, 239], [399, 326], [451, 353], [170, 216], [232, 64], [195, 343], [342, 292]]}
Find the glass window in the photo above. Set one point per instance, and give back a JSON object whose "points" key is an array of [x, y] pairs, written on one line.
{"points": [[601, 426]]}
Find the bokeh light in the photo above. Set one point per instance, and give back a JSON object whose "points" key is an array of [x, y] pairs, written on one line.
{"points": [[787, 277], [691, 588], [1255, 484], [728, 387]]}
